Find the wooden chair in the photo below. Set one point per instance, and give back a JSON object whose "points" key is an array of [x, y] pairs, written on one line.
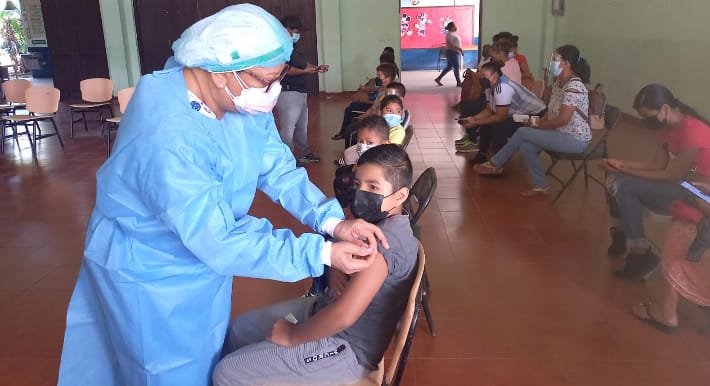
{"points": [[42, 105], [404, 337], [96, 93], [402, 340], [420, 195], [596, 150], [112, 123]]}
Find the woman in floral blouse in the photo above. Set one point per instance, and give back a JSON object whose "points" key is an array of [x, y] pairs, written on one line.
{"points": [[564, 129]]}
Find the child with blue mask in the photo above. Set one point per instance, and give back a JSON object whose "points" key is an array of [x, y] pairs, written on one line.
{"points": [[391, 109]]}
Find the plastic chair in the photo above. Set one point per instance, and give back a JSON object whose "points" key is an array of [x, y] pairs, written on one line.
{"points": [[112, 123], [42, 105], [14, 91], [96, 94], [420, 196], [408, 134], [596, 150], [442, 57], [404, 337]]}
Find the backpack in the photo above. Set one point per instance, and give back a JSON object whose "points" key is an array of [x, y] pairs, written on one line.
{"points": [[597, 104], [471, 90]]}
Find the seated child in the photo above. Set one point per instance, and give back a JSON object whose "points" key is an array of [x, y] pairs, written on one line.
{"points": [[340, 337], [393, 88], [391, 109], [386, 73], [372, 131]]}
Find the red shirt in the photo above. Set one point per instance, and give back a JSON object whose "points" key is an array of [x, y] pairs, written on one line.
{"points": [[521, 59], [690, 133]]}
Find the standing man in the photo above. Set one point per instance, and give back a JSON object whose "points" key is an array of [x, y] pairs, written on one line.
{"points": [[293, 101]]}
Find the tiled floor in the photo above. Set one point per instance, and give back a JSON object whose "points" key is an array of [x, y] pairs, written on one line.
{"points": [[522, 289]]}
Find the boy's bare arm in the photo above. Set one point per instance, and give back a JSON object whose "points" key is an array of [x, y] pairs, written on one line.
{"points": [[339, 315]]}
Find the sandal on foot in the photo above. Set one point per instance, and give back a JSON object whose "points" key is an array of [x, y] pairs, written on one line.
{"points": [[488, 168], [337, 137], [535, 192], [646, 316]]}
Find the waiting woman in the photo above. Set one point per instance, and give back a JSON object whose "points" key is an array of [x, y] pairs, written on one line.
{"points": [[682, 153], [453, 50], [685, 264], [564, 128]]}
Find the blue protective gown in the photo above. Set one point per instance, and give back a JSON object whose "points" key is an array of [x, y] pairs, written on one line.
{"points": [[170, 228]]}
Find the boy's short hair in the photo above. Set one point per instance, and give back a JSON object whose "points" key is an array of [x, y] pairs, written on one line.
{"points": [[388, 70], [388, 99], [393, 160], [375, 123], [399, 87]]}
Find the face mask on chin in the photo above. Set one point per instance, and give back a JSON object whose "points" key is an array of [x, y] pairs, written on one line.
{"points": [[368, 206], [254, 100]]}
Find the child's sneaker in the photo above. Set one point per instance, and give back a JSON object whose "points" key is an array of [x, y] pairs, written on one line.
{"points": [[467, 147], [462, 140]]}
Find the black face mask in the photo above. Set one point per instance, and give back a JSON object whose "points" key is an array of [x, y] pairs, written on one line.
{"points": [[485, 83], [368, 206], [653, 123]]}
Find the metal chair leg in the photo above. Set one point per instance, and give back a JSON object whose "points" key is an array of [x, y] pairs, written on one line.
{"points": [[83, 117], [427, 314], [59, 136]]}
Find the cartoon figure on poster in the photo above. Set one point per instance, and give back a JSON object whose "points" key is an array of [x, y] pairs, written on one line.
{"points": [[404, 24], [423, 20], [444, 21]]}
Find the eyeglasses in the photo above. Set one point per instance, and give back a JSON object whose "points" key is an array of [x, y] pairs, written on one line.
{"points": [[269, 83]]}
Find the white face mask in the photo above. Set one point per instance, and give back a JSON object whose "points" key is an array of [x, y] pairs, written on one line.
{"points": [[363, 147], [254, 100]]}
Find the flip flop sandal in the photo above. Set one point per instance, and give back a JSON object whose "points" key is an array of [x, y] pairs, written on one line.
{"points": [[649, 319], [535, 192]]}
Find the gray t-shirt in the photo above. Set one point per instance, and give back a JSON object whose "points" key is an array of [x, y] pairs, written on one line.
{"points": [[370, 335]]}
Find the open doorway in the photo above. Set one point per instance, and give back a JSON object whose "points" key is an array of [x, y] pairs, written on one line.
{"points": [[423, 31]]}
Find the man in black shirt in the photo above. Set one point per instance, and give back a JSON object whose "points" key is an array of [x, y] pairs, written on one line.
{"points": [[293, 102]]}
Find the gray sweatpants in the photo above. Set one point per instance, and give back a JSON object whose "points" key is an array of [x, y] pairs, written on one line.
{"points": [[293, 120], [254, 361]]}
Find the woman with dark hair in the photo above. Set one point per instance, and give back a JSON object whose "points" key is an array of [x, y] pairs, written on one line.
{"points": [[453, 50], [565, 127], [682, 153], [502, 53]]}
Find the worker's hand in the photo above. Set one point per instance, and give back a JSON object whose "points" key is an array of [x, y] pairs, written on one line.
{"points": [[351, 257], [323, 68], [281, 333], [337, 281], [360, 230]]}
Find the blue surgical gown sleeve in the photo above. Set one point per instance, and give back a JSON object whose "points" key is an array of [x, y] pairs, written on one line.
{"points": [[182, 189], [290, 187]]}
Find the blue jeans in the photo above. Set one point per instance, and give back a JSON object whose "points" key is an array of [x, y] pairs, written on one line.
{"points": [[530, 142], [293, 120], [628, 195], [452, 62]]}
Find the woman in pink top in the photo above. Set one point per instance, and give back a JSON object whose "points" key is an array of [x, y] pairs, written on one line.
{"points": [[683, 153], [502, 52]]}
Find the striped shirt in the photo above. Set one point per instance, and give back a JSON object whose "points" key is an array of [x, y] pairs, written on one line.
{"points": [[516, 96]]}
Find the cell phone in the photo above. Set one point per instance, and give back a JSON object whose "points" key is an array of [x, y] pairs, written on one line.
{"points": [[697, 192]]}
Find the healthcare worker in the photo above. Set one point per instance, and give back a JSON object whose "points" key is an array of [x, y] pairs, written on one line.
{"points": [[170, 227]]}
